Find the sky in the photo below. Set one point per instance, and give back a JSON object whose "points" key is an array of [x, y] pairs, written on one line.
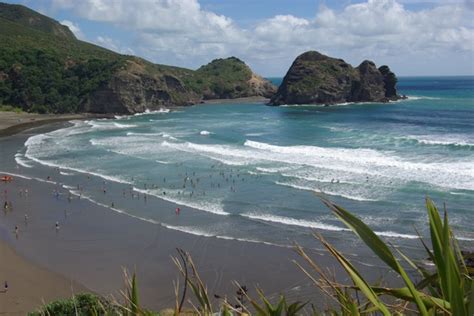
{"points": [[413, 37]]}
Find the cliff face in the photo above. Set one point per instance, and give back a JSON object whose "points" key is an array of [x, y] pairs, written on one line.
{"points": [[139, 86], [314, 78], [134, 90]]}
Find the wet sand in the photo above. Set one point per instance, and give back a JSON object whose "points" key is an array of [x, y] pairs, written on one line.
{"points": [[94, 243], [29, 285], [12, 122]]}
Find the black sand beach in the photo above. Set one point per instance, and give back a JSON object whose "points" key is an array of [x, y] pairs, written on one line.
{"points": [[94, 243]]}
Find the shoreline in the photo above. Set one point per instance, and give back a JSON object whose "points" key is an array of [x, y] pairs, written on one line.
{"points": [[108, 240], [12, 123]]}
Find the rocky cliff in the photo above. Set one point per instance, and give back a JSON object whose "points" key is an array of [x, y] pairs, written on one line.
{"points": [[138, 87], [314, 78]]}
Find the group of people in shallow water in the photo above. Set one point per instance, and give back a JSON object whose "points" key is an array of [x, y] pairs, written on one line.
{"points": [[192, 185]]}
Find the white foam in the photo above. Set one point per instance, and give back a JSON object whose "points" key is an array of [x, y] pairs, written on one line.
{"points": [[66, 173], [54, 165], [204, 133], [420, 97], [317, 225], [293, 221], [147, 112], [443, 140], [119, 125], [391, 234], [16, 175], [22, 162], [163, 162], [82, 196], [189, 230], [199, 232], [273, 170], [213, 207], [334, 193], [465, 238]]}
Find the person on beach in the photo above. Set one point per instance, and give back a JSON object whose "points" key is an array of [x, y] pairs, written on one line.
{"points": [[178, 210], [5, 287], [16, 231], [5, 206], [57, 227]]}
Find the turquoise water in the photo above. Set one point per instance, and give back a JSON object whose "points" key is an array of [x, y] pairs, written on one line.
{"points": [[250, 171]]}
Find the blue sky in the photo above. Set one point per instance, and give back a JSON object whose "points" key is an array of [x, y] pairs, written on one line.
{"points": [[414, 37]]}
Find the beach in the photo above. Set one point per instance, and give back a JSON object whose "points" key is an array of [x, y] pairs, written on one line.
{"points": [[29, 284], [94, 244]]}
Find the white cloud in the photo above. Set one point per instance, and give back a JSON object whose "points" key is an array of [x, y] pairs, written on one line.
{"points": [[74, 27], [112, 44], [180, 32]]}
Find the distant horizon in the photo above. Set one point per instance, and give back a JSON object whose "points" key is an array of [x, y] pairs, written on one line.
{"points": [[410, 36], [398, 76]]}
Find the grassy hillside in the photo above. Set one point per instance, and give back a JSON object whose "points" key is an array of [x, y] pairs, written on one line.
{"points": [[44, 68], [42, 71], [33, 19]]}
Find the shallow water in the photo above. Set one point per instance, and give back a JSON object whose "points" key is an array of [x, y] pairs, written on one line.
{"points": [[250, 171]]}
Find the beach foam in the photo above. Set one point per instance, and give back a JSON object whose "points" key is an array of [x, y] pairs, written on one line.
{"points": [[292, 221], [22, 162], [213, 207]]}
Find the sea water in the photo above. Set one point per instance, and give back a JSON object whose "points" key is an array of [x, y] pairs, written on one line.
{"points": [[256, 173]]}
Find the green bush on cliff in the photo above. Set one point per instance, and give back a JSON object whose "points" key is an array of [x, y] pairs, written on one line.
{"points": [[40, 81], [221, 78]]}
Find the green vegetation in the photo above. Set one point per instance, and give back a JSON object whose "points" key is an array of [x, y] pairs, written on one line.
{"points": [[221, 78], [9, 108], [78, 305], [43, 67], [40, 81], [28, 17], [445, 289]]}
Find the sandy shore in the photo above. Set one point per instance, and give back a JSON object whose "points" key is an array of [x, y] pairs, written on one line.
{"points": [[12, 122], [96, 242], [29, 285]]}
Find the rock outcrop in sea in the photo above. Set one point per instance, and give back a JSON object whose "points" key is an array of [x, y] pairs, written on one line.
{"points": [[314, 78]]}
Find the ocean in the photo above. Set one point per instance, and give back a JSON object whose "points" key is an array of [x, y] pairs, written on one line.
{"points": [[256, 173]]}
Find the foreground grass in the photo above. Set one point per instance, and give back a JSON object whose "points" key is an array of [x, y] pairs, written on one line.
{"points": [[446, 289]]}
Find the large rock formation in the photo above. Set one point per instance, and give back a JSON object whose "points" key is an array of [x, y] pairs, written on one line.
{"points": [[314, 78], [231, 78]]}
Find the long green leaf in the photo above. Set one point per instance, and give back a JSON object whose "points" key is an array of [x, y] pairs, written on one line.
{"points": [[378, 247], [357, 278]]}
